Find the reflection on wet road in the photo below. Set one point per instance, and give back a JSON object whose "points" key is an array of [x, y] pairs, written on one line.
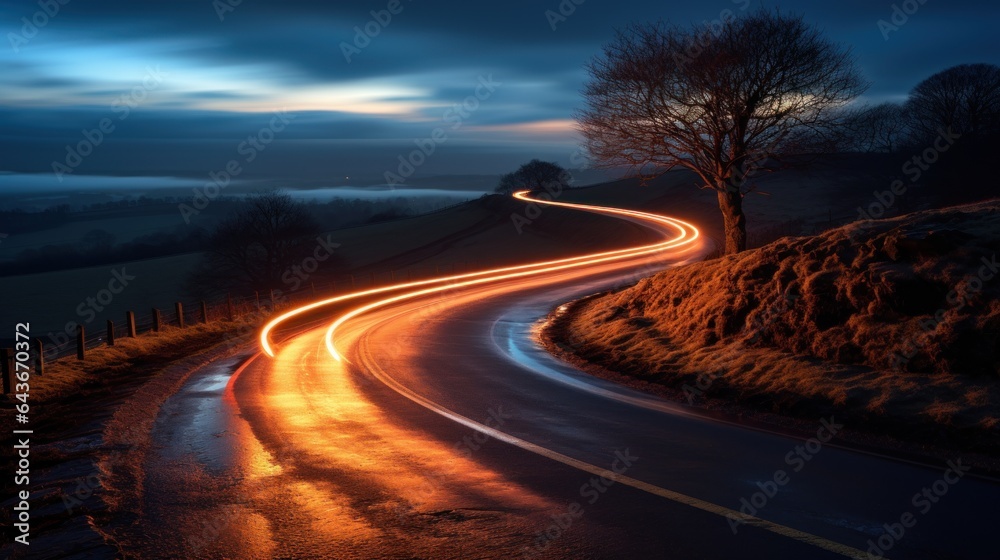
{"points": [[443, 431]]}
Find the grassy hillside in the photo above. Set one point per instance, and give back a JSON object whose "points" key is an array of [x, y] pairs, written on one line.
{"points": [[895, 323]]}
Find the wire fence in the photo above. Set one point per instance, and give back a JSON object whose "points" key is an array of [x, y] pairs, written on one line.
{"points": [[184, 314]]}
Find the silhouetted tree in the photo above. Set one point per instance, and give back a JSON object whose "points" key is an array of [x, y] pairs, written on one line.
{"points": [[533, 176], [960, 105], [879, 128], [722, 102], [256, 245], [964, 98]]}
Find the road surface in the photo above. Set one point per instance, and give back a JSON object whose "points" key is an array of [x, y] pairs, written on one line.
{"points": [[433, 426]]}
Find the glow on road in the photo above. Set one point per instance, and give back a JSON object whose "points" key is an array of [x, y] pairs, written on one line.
{"points": [[679, 236]]}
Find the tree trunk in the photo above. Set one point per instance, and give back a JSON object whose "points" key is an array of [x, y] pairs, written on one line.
{"points": [[734, 221]]}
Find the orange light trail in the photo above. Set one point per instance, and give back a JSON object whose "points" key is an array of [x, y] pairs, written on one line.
{"points": [[685, 235]]}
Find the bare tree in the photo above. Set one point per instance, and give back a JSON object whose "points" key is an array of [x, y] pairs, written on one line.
{"points": [[533, 176], [878, 128], [508, 184], [253, 248], [723, 103], [964, 98]]}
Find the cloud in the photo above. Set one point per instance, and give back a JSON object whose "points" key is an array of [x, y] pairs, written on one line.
{"points": [[224, 77]]}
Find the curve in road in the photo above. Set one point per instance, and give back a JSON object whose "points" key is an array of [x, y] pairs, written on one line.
{"points": [[456, 345]]}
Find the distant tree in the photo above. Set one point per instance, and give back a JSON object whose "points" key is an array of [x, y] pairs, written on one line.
{"points": [[960, 105], [255, 246], [723, 102], [508, 184], [964, 98], [534, 176], [879, 128]]}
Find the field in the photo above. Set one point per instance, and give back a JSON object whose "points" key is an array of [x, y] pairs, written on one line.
{"points": [[477, 234]]}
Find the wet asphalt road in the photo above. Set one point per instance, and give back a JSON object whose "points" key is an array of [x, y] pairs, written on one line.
{"points": [[393, 455]]}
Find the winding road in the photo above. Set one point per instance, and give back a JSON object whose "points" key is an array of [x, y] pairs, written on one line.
{"points": [[423, 421]]}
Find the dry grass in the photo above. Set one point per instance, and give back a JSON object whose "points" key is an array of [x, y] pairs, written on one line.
{"points": [[856, 320], [115, 371]]}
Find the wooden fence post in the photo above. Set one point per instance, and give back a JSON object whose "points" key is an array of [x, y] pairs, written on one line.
{"points": [[111, 332], [130, 323], [156, 320], [39, 357], [256, 294], [204, 312], [179, 308], [81, 342]]}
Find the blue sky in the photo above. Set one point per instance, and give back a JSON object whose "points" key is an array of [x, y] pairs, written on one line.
{"points": [[211, 81]]}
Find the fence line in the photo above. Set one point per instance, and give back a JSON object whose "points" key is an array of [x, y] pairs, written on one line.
{"points": [[191, 313]]}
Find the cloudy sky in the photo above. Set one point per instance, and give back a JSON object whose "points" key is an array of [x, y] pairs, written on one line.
{"points": [[181, 84]]}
